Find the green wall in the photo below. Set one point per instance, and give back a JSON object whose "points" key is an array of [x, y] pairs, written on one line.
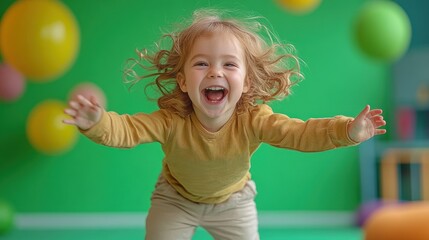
{"points": [[93, 178]]}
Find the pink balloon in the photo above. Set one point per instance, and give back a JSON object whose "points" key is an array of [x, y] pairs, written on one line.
{"points": [[12, 83], [88, 90]]}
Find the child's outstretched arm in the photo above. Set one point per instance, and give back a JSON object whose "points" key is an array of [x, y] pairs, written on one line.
{"points": [[366, 125], [84, 112]]}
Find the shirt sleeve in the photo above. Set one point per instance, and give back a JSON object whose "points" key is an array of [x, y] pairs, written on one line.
{"points": [[315, 134], [126, 131]]}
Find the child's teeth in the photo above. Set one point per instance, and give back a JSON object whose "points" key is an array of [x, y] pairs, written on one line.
{"points": [[214, 88]]}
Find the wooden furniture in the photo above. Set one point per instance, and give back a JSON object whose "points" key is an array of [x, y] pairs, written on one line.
{"points": [[389, 172]]}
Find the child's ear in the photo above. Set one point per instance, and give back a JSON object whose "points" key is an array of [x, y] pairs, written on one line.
{"points": [[180, 78], [246, 86]]}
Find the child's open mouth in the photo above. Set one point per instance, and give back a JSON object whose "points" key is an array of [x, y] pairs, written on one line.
{"points": [[215, 94]]}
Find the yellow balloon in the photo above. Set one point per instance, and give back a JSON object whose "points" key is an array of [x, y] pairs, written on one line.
{"points": [[299, 6], [39, 38], [46, 131]]}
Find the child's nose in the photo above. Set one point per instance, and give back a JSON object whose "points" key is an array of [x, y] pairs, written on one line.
{"points": [[215, 72]]}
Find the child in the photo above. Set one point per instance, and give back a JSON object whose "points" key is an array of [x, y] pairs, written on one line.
{"points": [[211, 122]]}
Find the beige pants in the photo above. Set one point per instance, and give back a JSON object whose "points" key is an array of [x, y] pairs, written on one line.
{"points": [[172, 217]]}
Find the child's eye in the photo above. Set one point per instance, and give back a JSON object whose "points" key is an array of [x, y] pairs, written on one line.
{"points": [[231, 65], [200, 64]]}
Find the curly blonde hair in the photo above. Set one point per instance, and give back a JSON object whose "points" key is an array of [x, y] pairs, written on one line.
{"points": [[271, 67]]}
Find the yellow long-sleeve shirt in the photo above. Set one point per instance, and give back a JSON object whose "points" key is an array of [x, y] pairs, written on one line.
{"points": [[208, 167]]}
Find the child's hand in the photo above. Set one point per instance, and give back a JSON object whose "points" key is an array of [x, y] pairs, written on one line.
{"points": [[366, 125], [85, 113]]}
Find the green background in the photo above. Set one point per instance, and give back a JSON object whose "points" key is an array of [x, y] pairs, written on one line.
{"points": [[339, 80]]}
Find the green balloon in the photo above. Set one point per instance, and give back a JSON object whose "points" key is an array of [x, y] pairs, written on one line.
{"points": [[383, 30], [6, 217]]}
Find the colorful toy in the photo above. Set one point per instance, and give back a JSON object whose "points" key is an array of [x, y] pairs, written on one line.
{"points": [[39, 38], [46, 131]]}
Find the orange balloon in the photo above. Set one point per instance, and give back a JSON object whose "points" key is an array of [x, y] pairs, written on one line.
{"points": [[39, 38], [46, 131]]}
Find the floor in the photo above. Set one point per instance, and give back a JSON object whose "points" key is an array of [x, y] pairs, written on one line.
{"points": [[138, 234]]}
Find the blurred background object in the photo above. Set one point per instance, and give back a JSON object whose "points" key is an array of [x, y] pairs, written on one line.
{"points": [[39, 38], [46, 131], [6, 217], [299, 6], [12, 83], [383, 30]]}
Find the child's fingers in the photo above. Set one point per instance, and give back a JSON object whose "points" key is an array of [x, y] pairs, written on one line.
{"points": [[74, 105], [380, 131], [377, 118], [380, 123], [93, 100], [70, 112], [69, 121], [375, 112], [363, 113], [83, 100]]}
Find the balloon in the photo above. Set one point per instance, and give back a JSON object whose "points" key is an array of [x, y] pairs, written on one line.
{"points": [[299, 6], [39, 38], [88, 89], [6, 217], [46, 131], [383, 30], [12, 83]]}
